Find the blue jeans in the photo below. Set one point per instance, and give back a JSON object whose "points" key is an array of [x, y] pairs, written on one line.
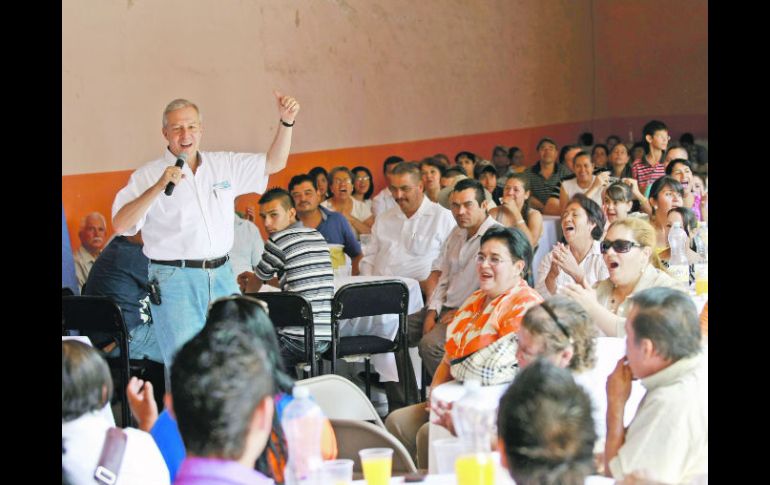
{"points": [[185, 296], [143, 344]]}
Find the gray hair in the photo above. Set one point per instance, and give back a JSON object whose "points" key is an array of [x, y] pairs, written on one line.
{"points": [[669, 318], [92, 214], [176, 104]]}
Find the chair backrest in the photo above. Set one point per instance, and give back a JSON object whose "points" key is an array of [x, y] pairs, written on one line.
{"points": [[354, 435], [371, 298], [339, 398]]}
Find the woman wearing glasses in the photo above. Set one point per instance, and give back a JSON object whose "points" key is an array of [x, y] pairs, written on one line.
{"points": [[481, 339], [628, 252], [358, 215], [582, 224], [362, 185]]}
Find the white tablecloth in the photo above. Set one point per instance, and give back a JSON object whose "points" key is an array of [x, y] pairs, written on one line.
{"points": [[551, 234], [502, 477], [385, 326]]}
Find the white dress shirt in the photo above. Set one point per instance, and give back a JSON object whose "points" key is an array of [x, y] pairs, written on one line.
{"points": [[247, 246], [457, 263], [572, 188], [83, 439], [593, 266], [407, 247], [84, 261], [382, 202], [360, 211], [196, 221]]}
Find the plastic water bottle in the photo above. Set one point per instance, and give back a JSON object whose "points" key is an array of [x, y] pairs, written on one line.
{"points": [[702, 267], [474, 417], [678, 266], [302, 423]]}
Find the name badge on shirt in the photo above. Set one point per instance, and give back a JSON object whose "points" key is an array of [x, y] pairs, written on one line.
{"points": [[225, 184]]}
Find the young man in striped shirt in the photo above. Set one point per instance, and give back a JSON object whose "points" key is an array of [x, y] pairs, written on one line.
{"points": [[650, 167], [299, 257]]}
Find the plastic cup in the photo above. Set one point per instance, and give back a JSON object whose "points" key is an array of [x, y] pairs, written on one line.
{"points": [[475, 469], [377, 464], [446, 451], [337, 472], [336, 251]]}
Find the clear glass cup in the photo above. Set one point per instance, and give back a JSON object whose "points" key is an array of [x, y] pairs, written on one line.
{"points": [[447, 451], [377, 464], [337, 472]]}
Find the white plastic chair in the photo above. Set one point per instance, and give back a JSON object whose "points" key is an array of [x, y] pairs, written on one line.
{"points": [[339, 398]]}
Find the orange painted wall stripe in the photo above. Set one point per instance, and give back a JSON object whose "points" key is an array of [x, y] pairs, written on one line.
{"points": [[85, 193]]}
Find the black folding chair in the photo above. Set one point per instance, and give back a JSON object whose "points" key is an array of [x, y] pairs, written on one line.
{"points": [[364, 300], [100, 319], [290, 309]]}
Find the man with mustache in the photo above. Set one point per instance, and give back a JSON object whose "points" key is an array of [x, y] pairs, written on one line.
{"points": [[92, 237]]}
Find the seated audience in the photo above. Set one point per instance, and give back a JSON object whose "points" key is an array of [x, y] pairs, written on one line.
{"points": [[686, 219], [667, 440], [321, 177], [487, 175], [86, 389], [483, 327], [665, 194], [333, 226], [384, 199], [405, 241], [467, 161], [611, 141], [619, 162], [299, 257], [681, 170], [545, 428], [431, 170], [567, 156], [92, 239], [363, 185], [697, 154], [248, 314], [619, 198], [674, 153], [516, 199], [637, 151], [358, 215], [247, 244], [578, 261], [599, 156], [516, 155], [584, 182], [500, 160], [633, 266], [545, 178]]}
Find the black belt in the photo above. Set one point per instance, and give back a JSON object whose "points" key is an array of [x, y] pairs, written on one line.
{"points": [[194, 263]]}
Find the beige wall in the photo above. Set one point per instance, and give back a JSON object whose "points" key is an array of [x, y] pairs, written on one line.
{"points": [[365, 72]]}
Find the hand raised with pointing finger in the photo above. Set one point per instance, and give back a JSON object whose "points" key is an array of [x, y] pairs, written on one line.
{"points": [[288, 107]]}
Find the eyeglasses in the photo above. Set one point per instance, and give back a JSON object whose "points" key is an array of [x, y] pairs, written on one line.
{"points": [[341, 181], [618, 245], [561, 326], [362, 178], [493, 260]]}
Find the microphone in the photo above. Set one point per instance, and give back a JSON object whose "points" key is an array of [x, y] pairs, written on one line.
{"points": [[180, 161]]}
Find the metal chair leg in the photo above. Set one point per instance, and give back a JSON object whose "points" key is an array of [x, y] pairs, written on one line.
{"points": [[367, 384]]}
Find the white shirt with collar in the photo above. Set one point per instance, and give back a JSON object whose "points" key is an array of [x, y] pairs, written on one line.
{"points": [[382, 202], [457, 263], [196, 221], [247, 246], [593, 266], [407, 247], [84, 261]]}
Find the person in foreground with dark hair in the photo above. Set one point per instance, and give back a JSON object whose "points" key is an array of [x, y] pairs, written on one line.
{"points": [[545, 429], [667, 441], [86, 387], [222, 396]]}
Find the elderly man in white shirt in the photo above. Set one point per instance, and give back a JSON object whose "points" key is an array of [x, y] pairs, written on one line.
{"points": [[667, 441], [188, 233], [92, 240], [384, 200], [405, 242], [456, 268]]}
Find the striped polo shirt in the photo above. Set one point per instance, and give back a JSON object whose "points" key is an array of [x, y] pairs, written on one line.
{"points": [[646, 174], [300, 257], [542, 188]]}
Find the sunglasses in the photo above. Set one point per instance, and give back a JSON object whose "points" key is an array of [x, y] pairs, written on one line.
{"points": [[618, 245]]}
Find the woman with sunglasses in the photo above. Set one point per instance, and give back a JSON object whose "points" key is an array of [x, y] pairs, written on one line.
{"points": [[358, 215], [665, 194], [363, 188], [582, 224], [483, 328], [628, 252], [251, 313]]}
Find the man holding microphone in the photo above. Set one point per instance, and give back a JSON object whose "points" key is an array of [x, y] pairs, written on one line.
{"points": [[183, 203]]}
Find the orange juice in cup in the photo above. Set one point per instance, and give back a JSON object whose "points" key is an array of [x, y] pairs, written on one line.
{"points": [[377, 464], [475, 469]]}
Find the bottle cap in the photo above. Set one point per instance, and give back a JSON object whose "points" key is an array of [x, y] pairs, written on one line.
{"points": [[300, 392]]}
